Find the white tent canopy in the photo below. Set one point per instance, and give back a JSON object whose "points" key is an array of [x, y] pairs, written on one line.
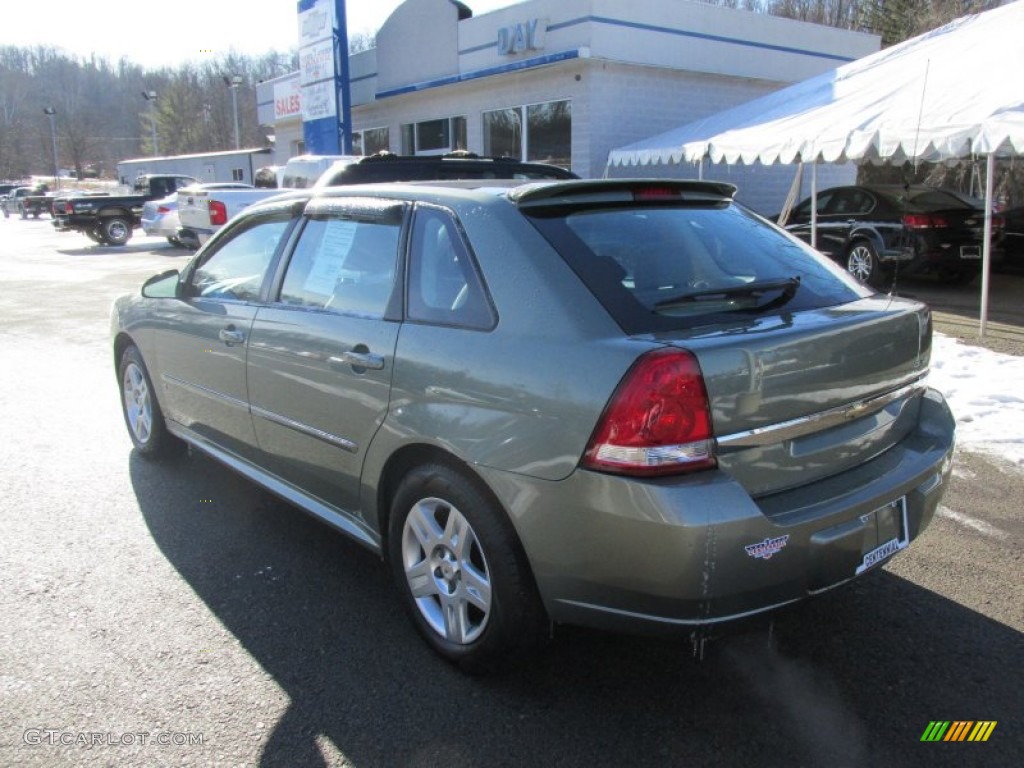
{"points": [[953, 92]]}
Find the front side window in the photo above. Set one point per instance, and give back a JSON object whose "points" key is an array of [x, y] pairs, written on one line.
{"points": [[344, 265], [236, 268]]}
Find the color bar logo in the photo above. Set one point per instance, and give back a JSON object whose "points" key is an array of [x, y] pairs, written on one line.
{"points": [[958, 730]]}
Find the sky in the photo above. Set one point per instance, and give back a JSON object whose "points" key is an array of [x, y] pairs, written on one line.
{"points": [[166, 34]]}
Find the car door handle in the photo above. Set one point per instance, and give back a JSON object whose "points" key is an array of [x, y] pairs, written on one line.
{"points": [[358, 360], [231, 335]]}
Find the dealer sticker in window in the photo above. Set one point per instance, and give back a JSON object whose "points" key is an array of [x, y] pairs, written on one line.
{"points": [[890, 523]]}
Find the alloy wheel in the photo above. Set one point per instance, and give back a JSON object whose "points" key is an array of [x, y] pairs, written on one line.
{"points": [[137, 404], [447, 571], [861, 263]]}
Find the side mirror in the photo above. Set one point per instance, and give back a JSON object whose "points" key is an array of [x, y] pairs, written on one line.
{"points": [[162, 286]]}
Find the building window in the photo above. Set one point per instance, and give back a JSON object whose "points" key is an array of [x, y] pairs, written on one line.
{"points": [[549, 133], [503, 133], [237, 174], [434, 137], [371, 141], [547, 137]]}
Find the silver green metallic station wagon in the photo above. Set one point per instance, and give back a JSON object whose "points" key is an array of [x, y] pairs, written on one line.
{"points": [[632, 405]]}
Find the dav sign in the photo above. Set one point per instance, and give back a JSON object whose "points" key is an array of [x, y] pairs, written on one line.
{"points": [[287, 100], [522, 37]]}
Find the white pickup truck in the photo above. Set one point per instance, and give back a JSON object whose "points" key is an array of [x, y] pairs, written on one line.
{"points": [[205, 211]]}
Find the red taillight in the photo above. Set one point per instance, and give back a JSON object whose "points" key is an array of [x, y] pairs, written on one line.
{"points": [[218, 213], [658, 421], [925, 221], [163, 209]]}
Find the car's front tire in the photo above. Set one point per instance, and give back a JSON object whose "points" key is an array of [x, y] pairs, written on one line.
{"points": [[461, 571], [142, 416]]}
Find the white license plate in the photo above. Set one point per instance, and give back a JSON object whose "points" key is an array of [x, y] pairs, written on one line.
{"points": [[970, 252], [890, 526]]}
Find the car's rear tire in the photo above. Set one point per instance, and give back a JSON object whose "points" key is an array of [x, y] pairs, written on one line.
{"points": [[142, 415], [115, 230], [862, 263], [460, 568]]}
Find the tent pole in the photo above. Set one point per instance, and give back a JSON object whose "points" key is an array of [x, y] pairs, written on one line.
{"points": [[700, 169], [986, 251], [814, 204]]}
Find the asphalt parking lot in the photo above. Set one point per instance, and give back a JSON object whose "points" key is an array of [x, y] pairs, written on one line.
{"points": [[174, 614]]}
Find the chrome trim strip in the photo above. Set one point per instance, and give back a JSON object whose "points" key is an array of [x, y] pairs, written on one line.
{"points": [[305, 429], [665, 620], [200, 389], [816, 422]]}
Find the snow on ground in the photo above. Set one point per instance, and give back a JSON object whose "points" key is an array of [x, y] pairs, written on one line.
{"points": [[985, 390]]}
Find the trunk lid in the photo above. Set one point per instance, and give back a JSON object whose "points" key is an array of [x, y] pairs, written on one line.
{"points": [[795, 398]]}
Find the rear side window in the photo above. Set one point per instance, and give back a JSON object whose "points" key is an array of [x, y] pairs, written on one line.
{"points": [[444, 285], [664, 267]]}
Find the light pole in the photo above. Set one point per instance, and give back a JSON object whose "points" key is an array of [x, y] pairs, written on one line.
{"points": [[52, 114], [150, 96], [233, 82]]}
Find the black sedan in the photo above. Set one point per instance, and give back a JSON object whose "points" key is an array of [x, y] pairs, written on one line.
{"points": [[879, 232]]}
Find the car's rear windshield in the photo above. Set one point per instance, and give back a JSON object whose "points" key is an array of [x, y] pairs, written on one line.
{"points": [[939, 200], [662, 267]]}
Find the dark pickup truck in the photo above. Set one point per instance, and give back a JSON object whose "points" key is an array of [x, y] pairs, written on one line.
{"points": [[109, 220], [36, 204]]}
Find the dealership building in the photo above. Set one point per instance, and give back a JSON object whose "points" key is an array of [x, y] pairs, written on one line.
{"points": [[566, 81]]}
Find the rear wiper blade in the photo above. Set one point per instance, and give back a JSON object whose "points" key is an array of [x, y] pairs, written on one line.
{"points": [[788, 286]]}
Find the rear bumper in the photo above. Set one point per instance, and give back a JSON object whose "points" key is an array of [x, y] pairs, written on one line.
{"points": [[932, 254], [669, 555]]}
